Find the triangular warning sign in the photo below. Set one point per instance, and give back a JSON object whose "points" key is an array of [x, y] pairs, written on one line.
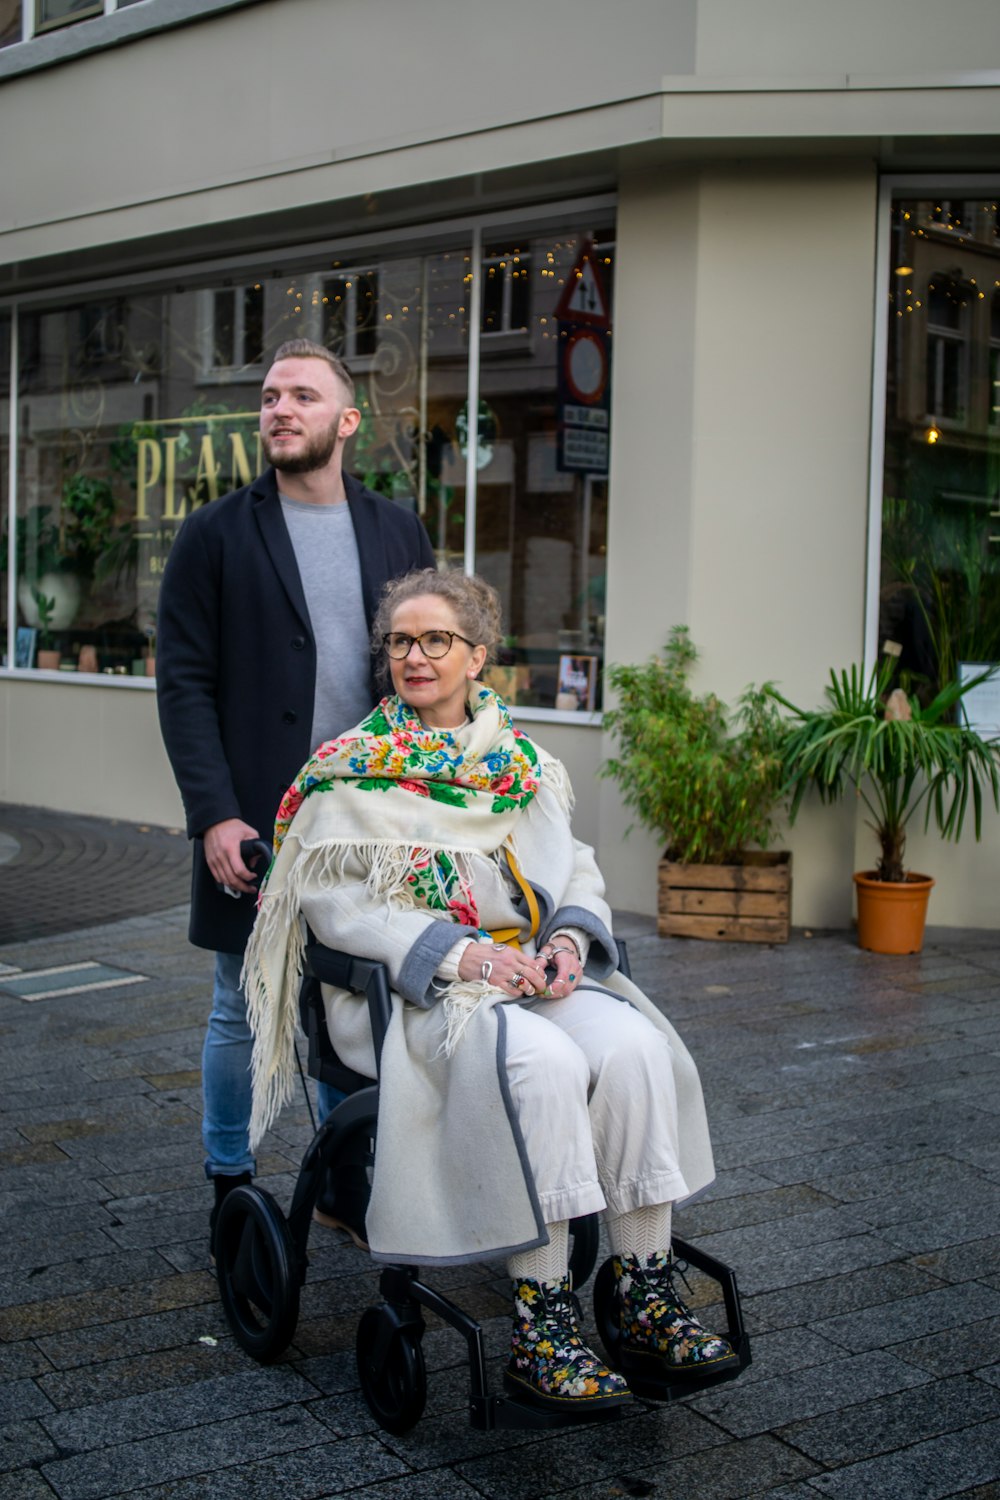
{"points": [[584, 299]]}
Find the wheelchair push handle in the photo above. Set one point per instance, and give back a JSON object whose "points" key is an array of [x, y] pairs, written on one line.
{"points": [[256, 855]]}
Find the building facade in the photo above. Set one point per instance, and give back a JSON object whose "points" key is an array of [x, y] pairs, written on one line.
{"points": [[677, 312]]}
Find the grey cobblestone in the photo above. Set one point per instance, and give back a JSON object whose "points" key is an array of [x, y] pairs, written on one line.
{"points": [[888, 1423], [778, 1400], [853, 1103], [941, 1466]]}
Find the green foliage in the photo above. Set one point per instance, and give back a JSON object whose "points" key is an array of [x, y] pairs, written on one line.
{"points": [[88, 510], [942, 563], [39, 549], [45, 604], [895, 760], [709, 787]]}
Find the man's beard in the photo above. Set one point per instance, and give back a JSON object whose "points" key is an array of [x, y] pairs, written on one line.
{"points": [[316, 454]]}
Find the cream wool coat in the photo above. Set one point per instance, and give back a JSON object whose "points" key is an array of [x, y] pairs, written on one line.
{"points": [[452, 1182]]}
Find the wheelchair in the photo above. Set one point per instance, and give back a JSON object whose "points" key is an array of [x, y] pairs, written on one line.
{"points": [[261, 1258]]}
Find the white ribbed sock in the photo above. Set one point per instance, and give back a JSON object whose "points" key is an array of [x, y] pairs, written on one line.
{"points": [[545, 1263], [641, 1232]]}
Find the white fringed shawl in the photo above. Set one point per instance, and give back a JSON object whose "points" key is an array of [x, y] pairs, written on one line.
{"points": [[413, 805]]}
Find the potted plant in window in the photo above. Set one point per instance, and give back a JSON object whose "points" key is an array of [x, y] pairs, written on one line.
{"points": [[898, 756], [710, 786], [48, 657], [43, 569]]}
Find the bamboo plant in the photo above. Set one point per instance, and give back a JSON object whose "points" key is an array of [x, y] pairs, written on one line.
{"points": [[706, 781], [897, 755]]}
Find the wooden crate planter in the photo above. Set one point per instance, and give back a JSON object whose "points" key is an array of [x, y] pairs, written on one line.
{"points": [[746, 903]]}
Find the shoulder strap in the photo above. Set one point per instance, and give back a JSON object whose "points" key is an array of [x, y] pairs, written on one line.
{"points": [[526, 891]]}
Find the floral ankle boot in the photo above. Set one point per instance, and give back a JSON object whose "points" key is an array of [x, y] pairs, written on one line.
{"points": [[654, 1320], [549, 1362]]}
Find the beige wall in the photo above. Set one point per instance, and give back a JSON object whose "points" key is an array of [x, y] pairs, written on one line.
{"points": [[304, 101], [649, 523], [781, 442], [740, 462], [775, 38], [97, 750], [293, 103], [580, 752], [85, 749]]}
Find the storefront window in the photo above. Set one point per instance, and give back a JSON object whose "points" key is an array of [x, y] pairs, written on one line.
{"points": [[6, 652], [134, 409], [541, 514], [940, 577], [10, 22]]}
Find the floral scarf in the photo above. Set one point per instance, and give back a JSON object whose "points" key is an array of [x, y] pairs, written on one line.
{"points": [[392, 751], [414, 805]]}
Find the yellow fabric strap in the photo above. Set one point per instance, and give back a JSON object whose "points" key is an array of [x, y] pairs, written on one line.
{"points": [[512, 935]]}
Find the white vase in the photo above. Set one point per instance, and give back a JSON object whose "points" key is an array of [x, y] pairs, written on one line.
{"points": [[64, 588]]}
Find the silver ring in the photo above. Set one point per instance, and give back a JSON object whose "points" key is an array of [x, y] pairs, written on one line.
{"points": [[487, 969], [517, 980], [499, 947]]}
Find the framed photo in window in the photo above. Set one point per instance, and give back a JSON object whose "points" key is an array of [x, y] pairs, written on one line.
{"points": [[577, 688], [24, 646]]}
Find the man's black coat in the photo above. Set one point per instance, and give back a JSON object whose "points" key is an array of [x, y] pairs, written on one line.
{"points": [[236, 666]]}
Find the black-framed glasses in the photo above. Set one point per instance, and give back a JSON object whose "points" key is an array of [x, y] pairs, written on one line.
{"points": [[433, 643]]}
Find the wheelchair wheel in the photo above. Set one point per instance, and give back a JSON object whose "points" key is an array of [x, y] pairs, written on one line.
{"points": [[606, 1314], [395, 1385], [258, 1280], [584, 1237]]}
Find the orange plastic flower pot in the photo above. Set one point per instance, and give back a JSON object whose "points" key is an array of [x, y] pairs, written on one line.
{"points": [[892, 914]]}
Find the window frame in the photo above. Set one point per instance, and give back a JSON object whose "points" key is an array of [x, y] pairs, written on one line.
{"points": [[40, 27], [358, 251], [219, 374], [952, 187]]}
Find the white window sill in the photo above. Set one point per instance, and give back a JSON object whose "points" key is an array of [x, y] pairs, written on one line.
{"points": [[555, 716], [80, 679]]}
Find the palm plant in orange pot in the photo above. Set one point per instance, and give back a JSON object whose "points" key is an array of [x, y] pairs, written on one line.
{"points": [[898, 756]]}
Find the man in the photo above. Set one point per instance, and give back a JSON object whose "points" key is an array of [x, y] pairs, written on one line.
{"points": [[263, 653]]}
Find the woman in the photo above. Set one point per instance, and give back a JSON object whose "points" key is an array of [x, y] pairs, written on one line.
{"points": [[523, 1081]]}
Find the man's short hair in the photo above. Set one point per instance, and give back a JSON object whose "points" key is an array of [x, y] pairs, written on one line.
{"points": [[308, 349]]}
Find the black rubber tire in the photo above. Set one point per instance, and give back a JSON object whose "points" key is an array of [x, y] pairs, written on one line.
{"points": [[255, 1265], [606, 1314], [585, 1234], [395, 1387]]}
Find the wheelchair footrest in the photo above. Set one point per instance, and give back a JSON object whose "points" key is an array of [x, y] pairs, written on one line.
{"points": [[652, 1379], [489, 1413]]}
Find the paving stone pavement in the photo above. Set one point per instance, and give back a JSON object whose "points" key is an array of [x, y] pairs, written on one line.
{"points": [[854, 1102], [60, 871]]}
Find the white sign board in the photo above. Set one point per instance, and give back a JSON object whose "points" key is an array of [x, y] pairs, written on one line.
{"points": [[981, 706]]}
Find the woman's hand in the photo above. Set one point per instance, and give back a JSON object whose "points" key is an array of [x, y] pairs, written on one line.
{"points": [[562, 952], [501, 965]]}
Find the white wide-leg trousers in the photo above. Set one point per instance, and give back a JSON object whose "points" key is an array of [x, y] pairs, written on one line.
{"points": [[593, 1087]]}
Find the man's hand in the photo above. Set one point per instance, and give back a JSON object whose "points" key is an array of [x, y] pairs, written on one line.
{"points": [[222, 852]]}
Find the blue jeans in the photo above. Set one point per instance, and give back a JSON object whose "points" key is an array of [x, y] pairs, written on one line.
{"points": [[225, 1076]]}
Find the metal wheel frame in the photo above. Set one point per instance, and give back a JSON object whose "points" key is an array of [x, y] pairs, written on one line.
{"points": [[606, 1314], [391, 1369], [585, 1236], [258, 1272]]}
